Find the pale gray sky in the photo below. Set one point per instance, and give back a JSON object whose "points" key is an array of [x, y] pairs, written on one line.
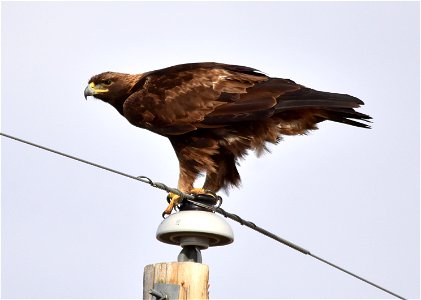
{"points": [[346, 194]]}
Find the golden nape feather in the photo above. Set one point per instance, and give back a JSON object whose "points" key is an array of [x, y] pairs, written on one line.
{"points": [[214, 113]]}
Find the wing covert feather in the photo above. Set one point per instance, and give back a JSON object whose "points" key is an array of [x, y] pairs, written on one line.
{"points": [[174, 100]]}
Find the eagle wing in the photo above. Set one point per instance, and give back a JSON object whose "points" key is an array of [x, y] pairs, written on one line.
{"points": [[182, 98], [295, 108]]}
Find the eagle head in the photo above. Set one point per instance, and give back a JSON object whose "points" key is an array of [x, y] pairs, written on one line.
{"points": [[110, 87]]}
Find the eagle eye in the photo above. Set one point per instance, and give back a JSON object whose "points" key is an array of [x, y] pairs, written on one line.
{"points": [[107, 82]]}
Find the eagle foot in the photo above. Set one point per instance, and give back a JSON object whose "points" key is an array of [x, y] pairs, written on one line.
{"points": [[200, 191], [174, 200]]}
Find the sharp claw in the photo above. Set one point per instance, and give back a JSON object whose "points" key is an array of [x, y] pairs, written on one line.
{"points": [[164, 215], [169, 209], [173, 200]]}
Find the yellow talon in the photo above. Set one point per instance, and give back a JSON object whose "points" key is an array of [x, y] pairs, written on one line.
{"points": [[200, 191], [197, 191], [174, 200]]}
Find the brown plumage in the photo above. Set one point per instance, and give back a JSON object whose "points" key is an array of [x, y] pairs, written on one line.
{"points": [[213, 113]]}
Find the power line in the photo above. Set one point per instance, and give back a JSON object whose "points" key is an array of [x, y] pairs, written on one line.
{"points": [[219, 210], [143, 179], [300, 249]]}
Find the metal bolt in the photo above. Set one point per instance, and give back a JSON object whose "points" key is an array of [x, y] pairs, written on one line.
{"points": [[157, 294]]}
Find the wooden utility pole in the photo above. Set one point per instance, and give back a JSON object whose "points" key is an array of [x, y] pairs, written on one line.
{"points": [[176, 280]]}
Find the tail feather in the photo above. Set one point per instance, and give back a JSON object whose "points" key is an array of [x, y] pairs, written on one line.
{"points": [[350, 118], [325, 106], [346, 116]]}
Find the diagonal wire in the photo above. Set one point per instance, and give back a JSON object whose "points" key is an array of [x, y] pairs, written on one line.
{"points": [[219, 210], [298, 248], [143, 179]]}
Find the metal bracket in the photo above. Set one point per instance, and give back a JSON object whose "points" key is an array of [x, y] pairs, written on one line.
{"points": [[163, 291]]}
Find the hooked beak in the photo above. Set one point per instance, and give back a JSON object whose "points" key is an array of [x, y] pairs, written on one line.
{"points": [[92, 90], [89, 90]]}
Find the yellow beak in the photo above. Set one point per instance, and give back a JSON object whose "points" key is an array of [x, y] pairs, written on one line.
{"points": [[92, 90]]}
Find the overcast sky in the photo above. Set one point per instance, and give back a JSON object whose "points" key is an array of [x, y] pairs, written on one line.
{"points": [[347, 194]]}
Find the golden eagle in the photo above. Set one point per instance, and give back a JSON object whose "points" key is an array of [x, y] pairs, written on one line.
{"points": [[213, 113]]}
